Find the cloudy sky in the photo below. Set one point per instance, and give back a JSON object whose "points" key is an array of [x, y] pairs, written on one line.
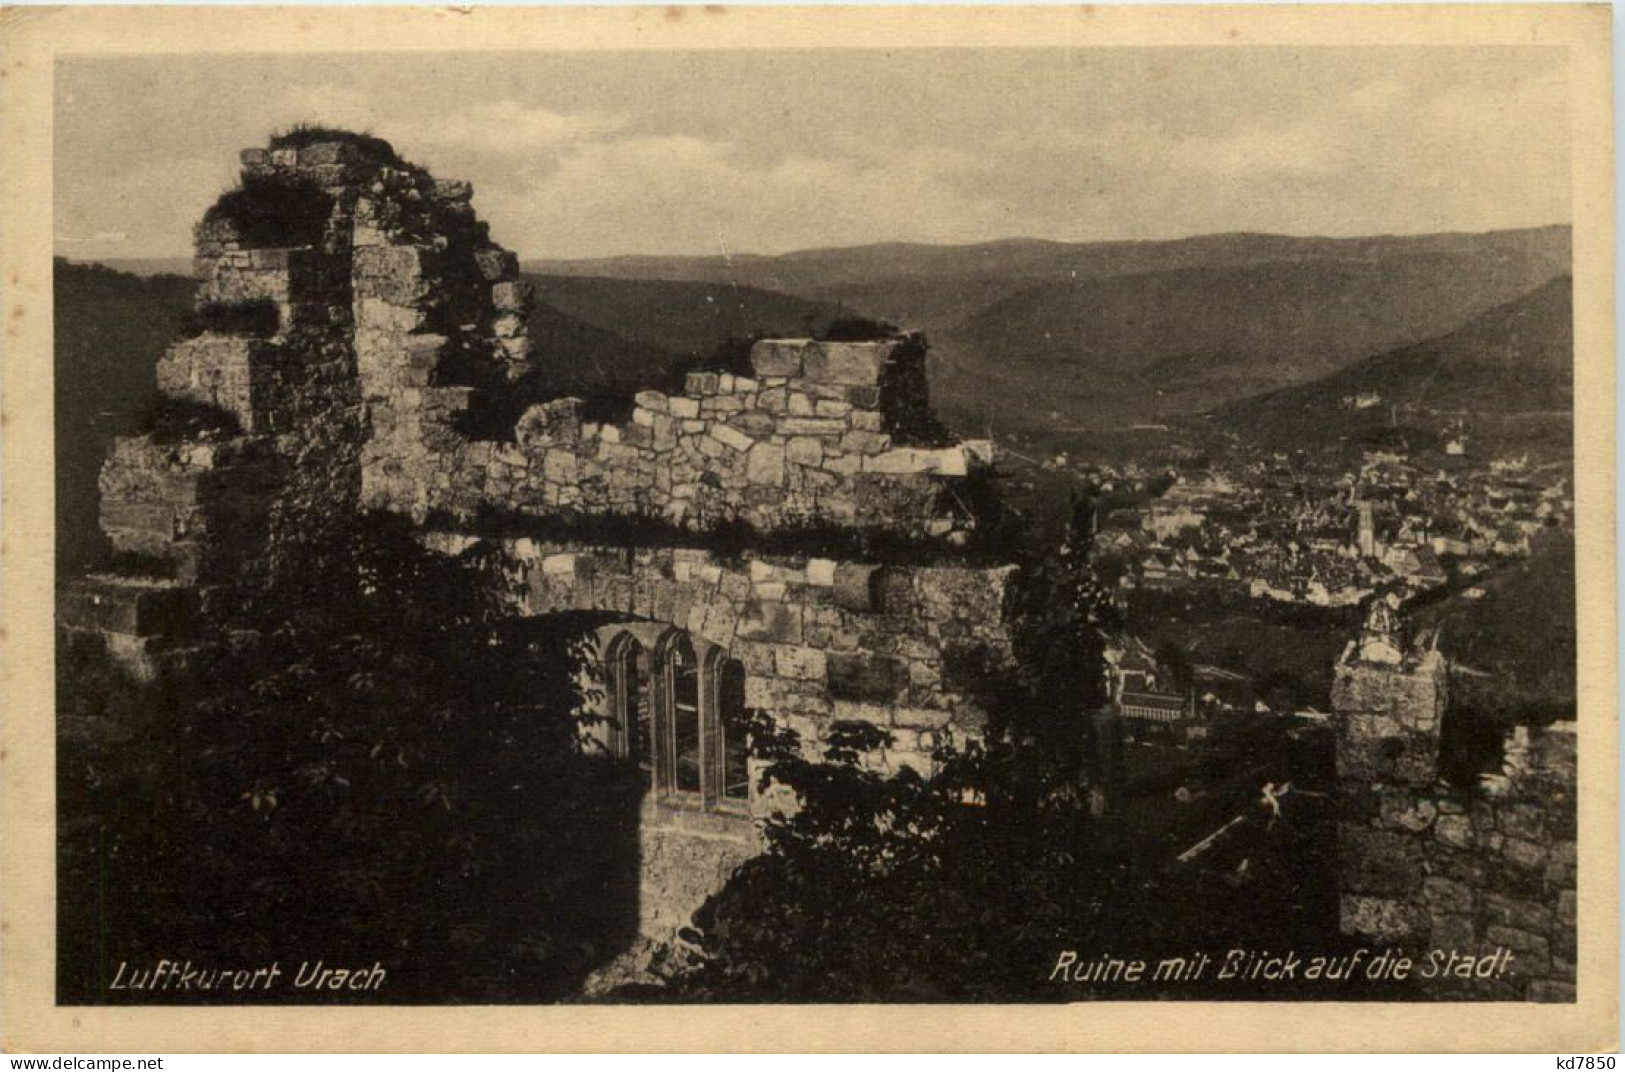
{"points": [[585, 155]]}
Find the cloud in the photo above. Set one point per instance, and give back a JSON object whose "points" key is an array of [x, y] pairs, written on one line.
{"points": [[1300, 150], [678, 193], [503, 126], [143, 210], [735, 152], [511, 127]]}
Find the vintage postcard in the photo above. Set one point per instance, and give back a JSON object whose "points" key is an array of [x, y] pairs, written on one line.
{"points": [[695, 528]]}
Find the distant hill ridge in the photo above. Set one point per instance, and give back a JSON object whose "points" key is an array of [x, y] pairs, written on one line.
{"points": [[1514, 359], [685, 318], [801, 270], [1039, 334], [813, 269], [1048, 333]]}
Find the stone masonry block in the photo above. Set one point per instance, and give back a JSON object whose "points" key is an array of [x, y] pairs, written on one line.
{"points": [[805, 450], [135, 607], [1380, 861], [854, 587], [1548, 992], [1383, 919], [867, 678], [779, 357], [701, 384], [234, 373], [394, 273], [853, 364]]}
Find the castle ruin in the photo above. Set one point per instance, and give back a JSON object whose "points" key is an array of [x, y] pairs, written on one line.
{"points": [[388, 373], [386, 380]]}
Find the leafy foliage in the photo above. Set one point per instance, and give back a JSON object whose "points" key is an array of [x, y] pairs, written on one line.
{"points": [[301, 135], [273, 211], [175, 420], [858, 329], [257, 317], [382, 766]]}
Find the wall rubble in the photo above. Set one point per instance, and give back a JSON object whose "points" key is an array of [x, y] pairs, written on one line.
{"points": [[803, 445]]}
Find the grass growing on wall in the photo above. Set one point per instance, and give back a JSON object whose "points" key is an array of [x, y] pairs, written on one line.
{"points": [[273, 211], [175, 420], [732, 539], [255, 317], [304, 135]]}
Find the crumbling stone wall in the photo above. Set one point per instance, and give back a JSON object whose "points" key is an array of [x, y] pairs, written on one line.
{"points": [[1428, 865], [801, 443], [819, 640]]}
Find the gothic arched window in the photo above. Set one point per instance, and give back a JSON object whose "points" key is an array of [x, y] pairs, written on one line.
{"points": [[732, 767], [685, 729], [678, 712], [631, 705]]}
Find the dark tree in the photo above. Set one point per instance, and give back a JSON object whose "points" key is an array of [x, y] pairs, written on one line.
{"points": [[858, 329], [890, 884], [1176, 663], [380, 765], [1064, 617]]}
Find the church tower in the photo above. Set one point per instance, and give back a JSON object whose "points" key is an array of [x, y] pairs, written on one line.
{"points": [[1368, 532]]}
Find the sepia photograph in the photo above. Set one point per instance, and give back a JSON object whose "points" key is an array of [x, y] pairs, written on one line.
{"points": [[959, 524]]}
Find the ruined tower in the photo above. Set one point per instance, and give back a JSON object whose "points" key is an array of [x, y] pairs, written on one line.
{"points": [[346, 301], [1429, 865]]}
